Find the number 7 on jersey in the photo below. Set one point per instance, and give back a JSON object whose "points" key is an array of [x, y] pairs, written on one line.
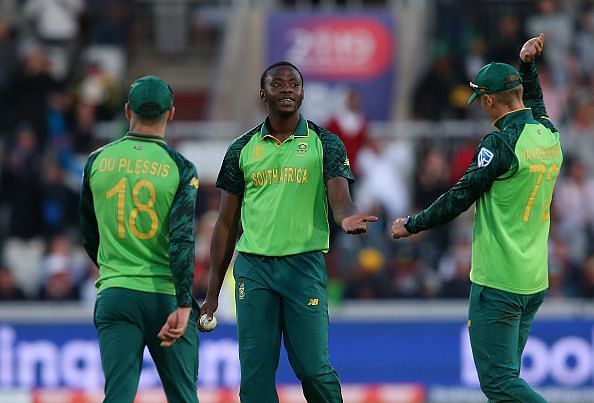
{"points": [[540, 170]]}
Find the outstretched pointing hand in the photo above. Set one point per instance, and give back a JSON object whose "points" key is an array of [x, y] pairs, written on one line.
{"points": [[532, 48], [357, 223]]}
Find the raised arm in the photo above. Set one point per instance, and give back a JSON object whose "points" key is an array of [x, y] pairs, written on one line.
{"points": [[533, 97]]}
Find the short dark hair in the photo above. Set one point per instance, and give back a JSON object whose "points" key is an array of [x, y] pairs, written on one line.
{"points": [[508, 97], [277, 64], [151, 120]]}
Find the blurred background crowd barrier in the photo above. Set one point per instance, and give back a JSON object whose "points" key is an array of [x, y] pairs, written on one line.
{"points": [[390, 77]]}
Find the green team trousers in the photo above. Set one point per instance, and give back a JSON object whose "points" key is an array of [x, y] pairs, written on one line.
{"points": [[283, 297], [499, 324], [127, 321]]}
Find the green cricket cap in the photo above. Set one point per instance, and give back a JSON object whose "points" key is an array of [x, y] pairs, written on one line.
{"points": [[150, 96], [492, 78]]}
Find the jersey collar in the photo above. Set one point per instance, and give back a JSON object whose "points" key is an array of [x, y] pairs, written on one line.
{"points": [[145, 137], [519, 115], [302, 129]]}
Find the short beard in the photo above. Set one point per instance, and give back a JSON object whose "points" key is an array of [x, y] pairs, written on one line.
{"points": [[287, 114]]}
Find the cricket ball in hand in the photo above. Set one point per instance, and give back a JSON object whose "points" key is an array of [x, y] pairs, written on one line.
{"points": [[208, 324]]}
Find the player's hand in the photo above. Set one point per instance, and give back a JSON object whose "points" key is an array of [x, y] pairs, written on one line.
{"points": [[357, 223], [532, 48], [175, 326], [209, 306], [398, 229]]}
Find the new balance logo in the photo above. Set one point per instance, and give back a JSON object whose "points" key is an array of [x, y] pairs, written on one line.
{"points": [[312, 302]]}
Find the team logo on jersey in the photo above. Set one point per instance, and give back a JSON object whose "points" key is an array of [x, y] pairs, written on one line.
{"points": [[137, 147], [347, 163], [485, 156], [257, 153], [195, 182], [313, 302], [241, 290], [301, 148]]}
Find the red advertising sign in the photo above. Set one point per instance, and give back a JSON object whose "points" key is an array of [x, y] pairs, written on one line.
{"points": [[341, 48], [335, 51]]}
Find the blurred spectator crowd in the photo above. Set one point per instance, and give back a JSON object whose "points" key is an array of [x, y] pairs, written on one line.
{"points": [[62, 73], [403, 177]]}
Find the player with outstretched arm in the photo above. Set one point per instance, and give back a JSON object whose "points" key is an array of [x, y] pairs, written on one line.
{"points": [[278, 177], [511, 179]]}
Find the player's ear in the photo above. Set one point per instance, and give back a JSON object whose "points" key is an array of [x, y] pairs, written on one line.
{"points": [[486, 101], [127, 111], [262, 96], [171, 113]]}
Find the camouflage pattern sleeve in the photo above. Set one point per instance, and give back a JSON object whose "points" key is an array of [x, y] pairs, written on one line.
{"points": [[181, 230], [492, 159], [336, 162], [533, 97], [230, 178], [88, 219]]}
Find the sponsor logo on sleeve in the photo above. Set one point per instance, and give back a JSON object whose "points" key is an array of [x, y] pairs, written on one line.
{"points": [[485, 156]]}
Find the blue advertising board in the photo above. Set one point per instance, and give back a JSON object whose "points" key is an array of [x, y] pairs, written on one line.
{"points": [[559, 353]]}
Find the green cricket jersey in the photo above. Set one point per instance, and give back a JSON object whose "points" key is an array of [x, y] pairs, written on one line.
{"points": [[284, 208], [137, 215], [511, 178]]}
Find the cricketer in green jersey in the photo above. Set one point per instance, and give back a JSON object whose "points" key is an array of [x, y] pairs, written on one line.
{"points": [[137, 213], [511, 179], [278, 177]]}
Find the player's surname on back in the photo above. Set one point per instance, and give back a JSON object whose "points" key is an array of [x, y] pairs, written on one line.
{"points": [[134, 166]]}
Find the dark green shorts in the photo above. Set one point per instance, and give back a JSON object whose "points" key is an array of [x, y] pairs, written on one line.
{"points": [[129, 320], [283, 298], [499, 324]]}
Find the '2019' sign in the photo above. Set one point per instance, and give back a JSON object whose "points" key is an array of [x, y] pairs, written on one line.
{"points": [[334, 51], [350, 48]]}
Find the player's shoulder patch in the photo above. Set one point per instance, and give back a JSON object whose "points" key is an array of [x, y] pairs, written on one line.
{"points": [[484, 158], [195, 182]]}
